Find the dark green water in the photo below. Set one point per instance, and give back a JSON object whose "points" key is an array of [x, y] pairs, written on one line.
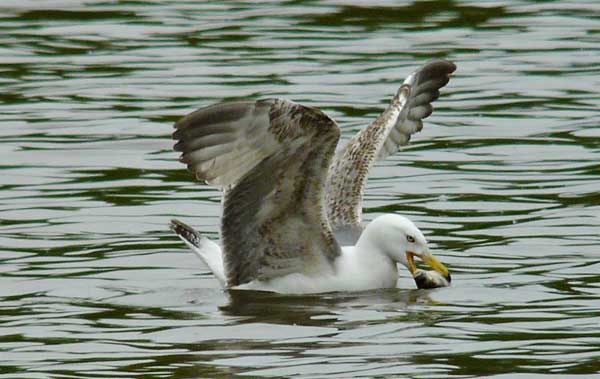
{"points": [[504, 180]]}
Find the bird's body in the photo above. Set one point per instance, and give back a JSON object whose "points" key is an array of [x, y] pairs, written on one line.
{"points": [[367, 265], [353, 270], [292, 203]]}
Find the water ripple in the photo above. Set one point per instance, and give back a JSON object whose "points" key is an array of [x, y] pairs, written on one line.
{"points": [[503, 180]]}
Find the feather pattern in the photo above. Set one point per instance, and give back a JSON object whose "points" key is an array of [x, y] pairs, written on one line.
{"points": [[383, 137], [273, 156]]}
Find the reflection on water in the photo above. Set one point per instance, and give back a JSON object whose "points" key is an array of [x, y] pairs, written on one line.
{"points": [[317, 310], [503, 180]]}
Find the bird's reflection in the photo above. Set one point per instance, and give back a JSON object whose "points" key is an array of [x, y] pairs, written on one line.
{"points": [[316, 309]]}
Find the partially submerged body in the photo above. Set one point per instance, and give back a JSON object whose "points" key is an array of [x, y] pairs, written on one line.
{"points": [[353, 270]]}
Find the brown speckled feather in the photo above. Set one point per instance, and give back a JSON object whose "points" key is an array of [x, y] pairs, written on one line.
{"points": [[273, 157], [383, 137]]}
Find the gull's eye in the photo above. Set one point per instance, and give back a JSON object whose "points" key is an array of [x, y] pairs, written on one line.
{"points": [[410, 239]]}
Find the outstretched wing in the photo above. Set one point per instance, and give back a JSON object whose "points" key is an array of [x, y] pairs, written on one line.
{"points": [[272, 156], [380, 139]]}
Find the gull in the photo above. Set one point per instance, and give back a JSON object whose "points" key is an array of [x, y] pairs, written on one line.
{"points": [[292, 198]]}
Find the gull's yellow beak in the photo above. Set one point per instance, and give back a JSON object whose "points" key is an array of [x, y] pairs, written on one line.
{"points": [[430, 260]]}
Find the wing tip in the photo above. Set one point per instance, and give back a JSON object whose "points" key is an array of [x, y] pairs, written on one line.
{"points": [[438, 70], [440, 65]]}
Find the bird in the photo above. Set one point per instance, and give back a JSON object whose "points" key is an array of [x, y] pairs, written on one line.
{"points": [[292, 193]]}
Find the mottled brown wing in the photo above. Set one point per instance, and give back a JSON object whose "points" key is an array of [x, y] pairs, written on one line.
{"points": [[273, 156], [383, 137]]}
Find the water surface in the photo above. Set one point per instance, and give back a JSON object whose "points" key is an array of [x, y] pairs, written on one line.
{"points": [[503, 180]]}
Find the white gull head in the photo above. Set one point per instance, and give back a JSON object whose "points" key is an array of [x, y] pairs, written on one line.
{"points": [[399, 239]]}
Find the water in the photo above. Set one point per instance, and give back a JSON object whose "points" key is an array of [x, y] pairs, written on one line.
{"points": [[504, 181]]}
